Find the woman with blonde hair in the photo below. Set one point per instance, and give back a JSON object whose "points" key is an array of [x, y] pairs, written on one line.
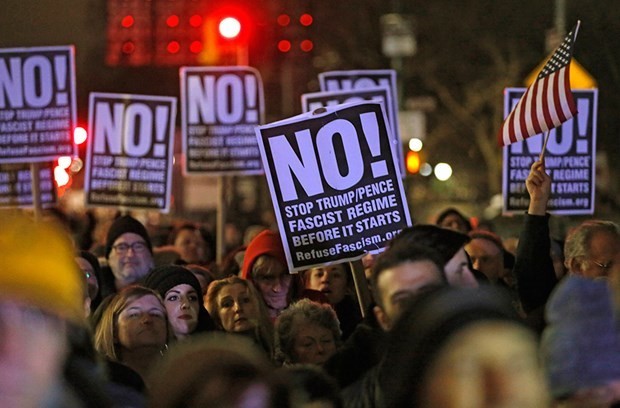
{"points": [[132, 334], [236, 307]]}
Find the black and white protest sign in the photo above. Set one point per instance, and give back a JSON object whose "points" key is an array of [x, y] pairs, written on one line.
{"points": [[569, 159], [37, 104], [16, 185], [334, 182], [220, 106], [315, 100], [129, 157], [362, 79]]}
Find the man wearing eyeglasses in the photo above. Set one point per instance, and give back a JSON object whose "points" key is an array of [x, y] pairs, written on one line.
{"points": [[129, 254], [592, 248]]}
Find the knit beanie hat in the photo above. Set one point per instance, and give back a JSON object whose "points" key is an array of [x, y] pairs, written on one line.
{"points": [[37, 267], [122, 225], [266, 243], [445, 241], [580, 346], [164, 278]]}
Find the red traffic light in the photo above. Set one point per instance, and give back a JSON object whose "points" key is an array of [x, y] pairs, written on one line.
{"points": [[127, 21], [284, 45], [79, 135], [229, 27]]}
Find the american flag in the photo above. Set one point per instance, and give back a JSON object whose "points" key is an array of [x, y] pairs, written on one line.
{"points": [[548, 102]]}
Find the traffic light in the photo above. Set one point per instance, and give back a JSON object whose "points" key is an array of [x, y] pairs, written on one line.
{"points": [[413, 162], [178, 31], [229, 27], [79, 135], [165, 33], [294, 25], [182, 32], [226, 36], [129, 33]]}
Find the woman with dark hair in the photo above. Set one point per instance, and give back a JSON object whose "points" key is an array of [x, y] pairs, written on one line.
{"points": [[89, 265], [334, 282], [182, 295], [453, 219]]}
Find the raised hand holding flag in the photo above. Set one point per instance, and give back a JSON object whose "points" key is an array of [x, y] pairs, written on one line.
{"points": [[548, 102]]}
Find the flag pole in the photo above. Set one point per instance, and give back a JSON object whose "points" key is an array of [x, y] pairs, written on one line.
{"points": [[544, 146]]}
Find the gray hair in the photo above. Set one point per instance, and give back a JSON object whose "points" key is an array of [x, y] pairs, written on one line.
{"points": [[303, 311], [577, 242]]}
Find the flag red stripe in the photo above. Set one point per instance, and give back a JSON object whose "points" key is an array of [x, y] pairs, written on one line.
{"points": [[534, 115], [523, 115], [511, 126], [545, 106]]}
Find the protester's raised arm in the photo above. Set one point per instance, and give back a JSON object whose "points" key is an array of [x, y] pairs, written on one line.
{"points": [[538, 184], [533, 265]]}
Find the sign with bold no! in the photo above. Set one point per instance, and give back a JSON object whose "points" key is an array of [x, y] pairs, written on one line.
{"points": [[16, 185], [569, 159], [220, 106], [37, 104], [362, 79], [314, 100], [334, 182], [129, 157]]}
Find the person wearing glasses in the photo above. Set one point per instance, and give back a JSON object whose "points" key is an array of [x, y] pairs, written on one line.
{"points": [[129, 255], [591, 247]]}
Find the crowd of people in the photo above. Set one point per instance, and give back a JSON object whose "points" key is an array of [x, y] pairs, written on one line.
{"points": [[455, 320]]}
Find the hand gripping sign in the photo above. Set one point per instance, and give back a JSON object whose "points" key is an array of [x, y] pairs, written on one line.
{"points": [[37, 104], [129, 159], [569, 159], [219, 108], [334, 182]]}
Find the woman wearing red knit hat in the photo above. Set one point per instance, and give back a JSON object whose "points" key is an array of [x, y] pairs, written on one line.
{"points": [[265, 265]]}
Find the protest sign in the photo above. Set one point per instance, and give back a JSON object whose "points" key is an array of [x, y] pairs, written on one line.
{"points": [[129, 157], [334, 183], [569, 159], [37, 104], [16, 185], [362, 79], [220, 106], [314, 100]]}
